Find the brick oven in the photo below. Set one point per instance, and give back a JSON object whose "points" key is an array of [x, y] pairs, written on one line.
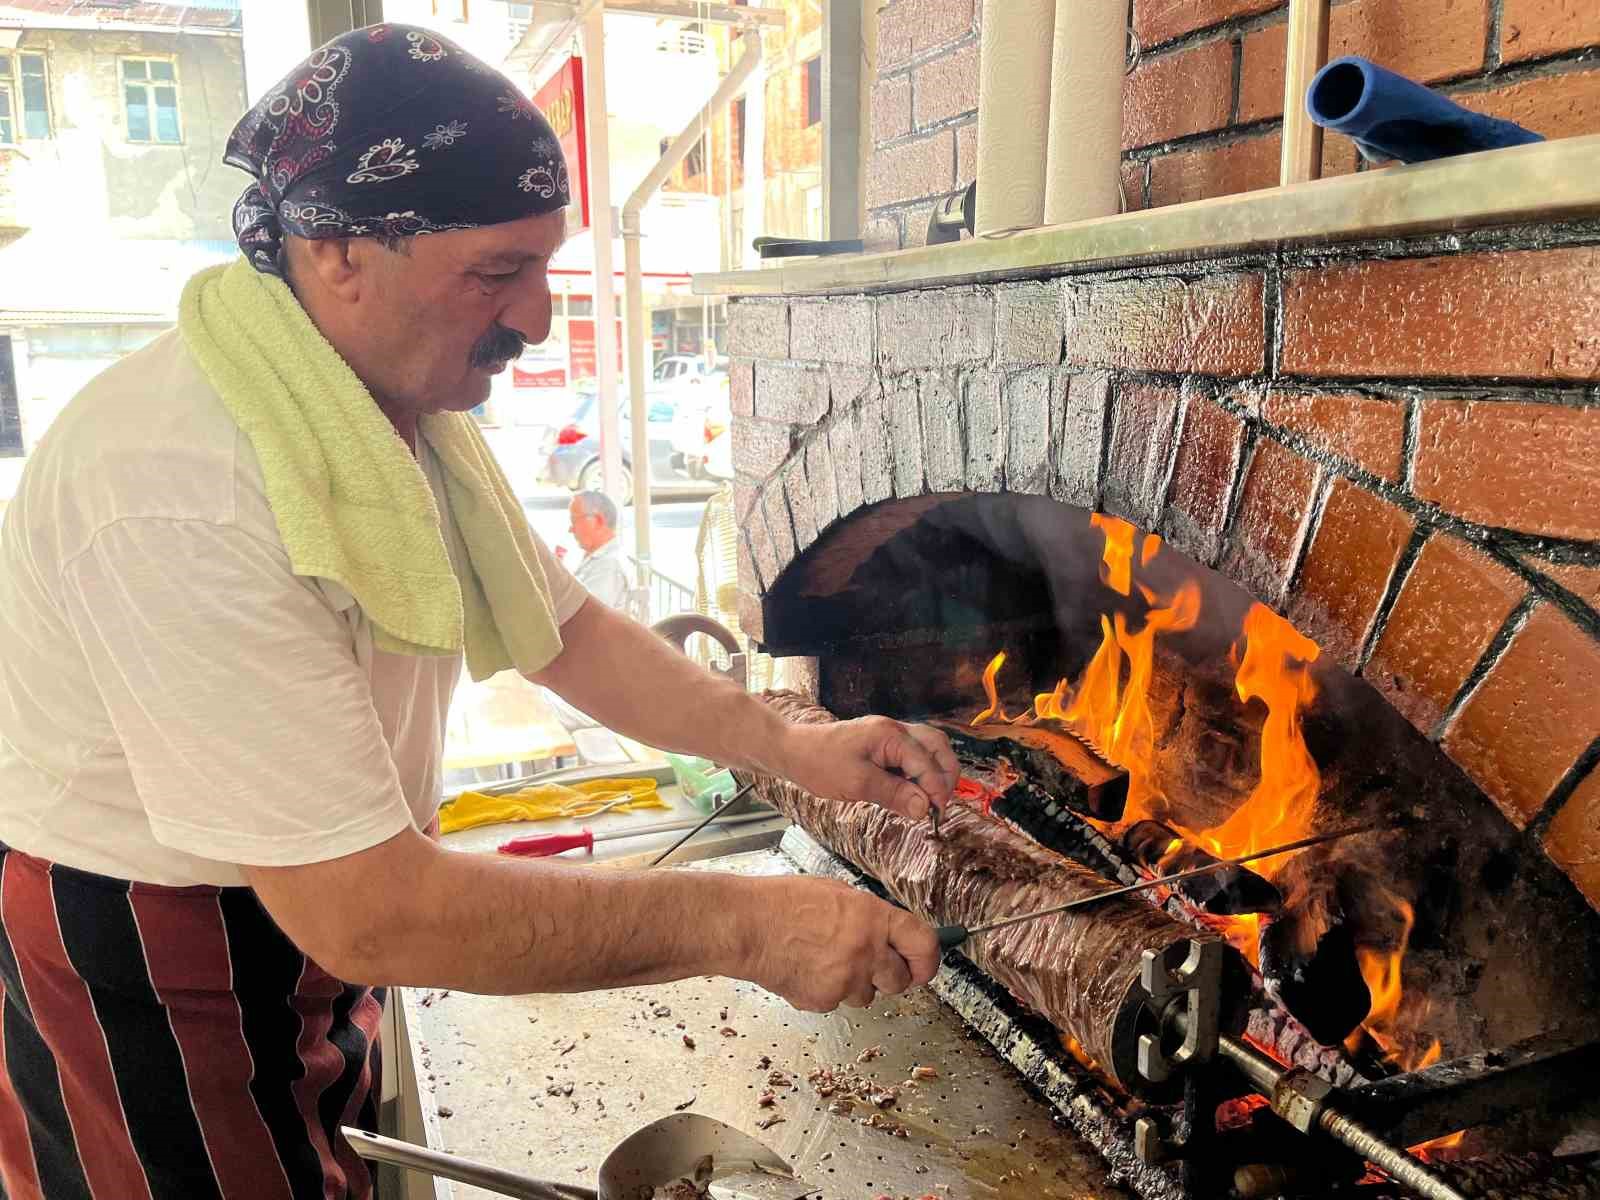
{"points": [[992, 496]]}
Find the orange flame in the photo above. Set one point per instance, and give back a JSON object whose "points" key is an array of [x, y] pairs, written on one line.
{"points": [[1109, 707], [1280, 808], [989, 674], [1116, 564]]}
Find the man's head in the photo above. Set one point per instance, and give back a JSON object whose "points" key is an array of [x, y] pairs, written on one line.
{"points": [[594, 520], [413, 199]]}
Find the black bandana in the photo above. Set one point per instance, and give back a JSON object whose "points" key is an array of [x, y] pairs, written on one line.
{"points": [[390, 131]]}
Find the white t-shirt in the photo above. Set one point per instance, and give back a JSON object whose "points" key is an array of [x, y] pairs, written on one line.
{"points": [[174, 700]]}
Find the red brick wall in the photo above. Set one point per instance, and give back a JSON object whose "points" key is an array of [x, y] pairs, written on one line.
{"points": [[1204, 104], [1397, 446]]}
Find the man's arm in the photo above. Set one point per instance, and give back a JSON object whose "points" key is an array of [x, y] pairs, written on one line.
{"points": [[632, 681], [407, 912], [251, 734]]}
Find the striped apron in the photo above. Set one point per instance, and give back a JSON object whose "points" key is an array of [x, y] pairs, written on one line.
{"points": [[163, 1043]]}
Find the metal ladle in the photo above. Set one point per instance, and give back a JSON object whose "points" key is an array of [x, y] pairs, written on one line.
{"points": [[657, 1155]]}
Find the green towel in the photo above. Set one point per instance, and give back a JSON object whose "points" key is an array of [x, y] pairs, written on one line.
{"points": [[351, 500]]}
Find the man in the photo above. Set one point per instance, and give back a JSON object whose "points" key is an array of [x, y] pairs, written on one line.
{"points": [[235, 585], [594, 528]]}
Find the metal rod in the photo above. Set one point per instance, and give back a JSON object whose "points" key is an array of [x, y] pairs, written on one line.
{"points": [[1168, 880], [726, 810], [1265, 1075], [633, 285], [462, 1170], [1307, 53]]}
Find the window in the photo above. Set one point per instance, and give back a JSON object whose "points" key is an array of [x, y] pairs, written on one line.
{"points": [[814, 91], [24, 97], [694, 163], [454, 10], [10, 411], [150, 97], [520, 12]]}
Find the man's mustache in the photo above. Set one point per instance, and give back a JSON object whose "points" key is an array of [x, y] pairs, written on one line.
{"points": [[499, 345]]}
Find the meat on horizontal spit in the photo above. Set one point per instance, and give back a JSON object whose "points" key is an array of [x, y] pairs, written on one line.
{"points": [[1080, 970]]}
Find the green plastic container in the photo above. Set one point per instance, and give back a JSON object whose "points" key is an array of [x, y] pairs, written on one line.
{"points": [[702, 781]]}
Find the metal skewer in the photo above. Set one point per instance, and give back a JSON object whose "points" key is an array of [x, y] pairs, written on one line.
{"points": [[716, 814], [951, 936]]}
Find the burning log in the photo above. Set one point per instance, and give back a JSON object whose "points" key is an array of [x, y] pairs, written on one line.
{"points": [[1079, 970], [1058, 762], [1308, 957], [1231, 892]]}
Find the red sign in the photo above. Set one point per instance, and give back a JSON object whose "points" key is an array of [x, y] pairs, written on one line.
{"points": [[553, 377], [580, 340], [561, 102]]}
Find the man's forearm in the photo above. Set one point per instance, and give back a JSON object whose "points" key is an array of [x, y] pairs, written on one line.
{"points": [[632, 681], [504, 926]]}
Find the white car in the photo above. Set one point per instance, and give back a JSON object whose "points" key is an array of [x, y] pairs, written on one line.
{"points": [[702, 444]]}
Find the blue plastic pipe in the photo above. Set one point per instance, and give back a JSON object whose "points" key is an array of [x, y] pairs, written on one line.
{"points": [[1390, 117]]}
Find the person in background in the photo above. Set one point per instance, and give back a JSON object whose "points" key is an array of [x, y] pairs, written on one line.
{"points": [[594, 527]]}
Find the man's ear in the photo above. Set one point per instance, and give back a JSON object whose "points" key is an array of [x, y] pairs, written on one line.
{"points": [[332, 265]]}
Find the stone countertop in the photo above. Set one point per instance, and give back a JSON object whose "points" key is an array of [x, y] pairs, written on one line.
{"points": [[546, 1085]]}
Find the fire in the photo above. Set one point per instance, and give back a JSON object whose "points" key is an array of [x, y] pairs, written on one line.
{"points": [[1275, 670], [1116, 563], [989, 673], [1109, 708]]}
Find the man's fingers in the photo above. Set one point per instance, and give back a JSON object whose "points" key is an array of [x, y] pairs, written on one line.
{"points": [[862, 997], [944, 758], [903, 752], [917, 944], [891, 975], [886, 790]]}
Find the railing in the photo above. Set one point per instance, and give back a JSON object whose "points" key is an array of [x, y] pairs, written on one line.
{"points": [[663, 597]]}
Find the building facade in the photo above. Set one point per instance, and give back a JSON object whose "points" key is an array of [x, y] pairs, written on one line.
{"points": [[113, 121]]}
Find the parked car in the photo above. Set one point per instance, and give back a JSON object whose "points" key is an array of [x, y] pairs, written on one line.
{"points": [[677, 369], [701, 431], [575, 458]]}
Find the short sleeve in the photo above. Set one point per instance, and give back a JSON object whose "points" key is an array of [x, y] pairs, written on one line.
{"points": [[234, 690], [566, 593]]}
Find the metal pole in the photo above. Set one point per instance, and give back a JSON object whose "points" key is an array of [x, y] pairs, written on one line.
{"points": [[634, 286], [605, 294], [1267, 1076], [1308, 52], [841, 120]]}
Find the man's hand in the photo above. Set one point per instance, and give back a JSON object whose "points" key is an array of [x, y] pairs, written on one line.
{"points": [[904, 768], [829, 944]]}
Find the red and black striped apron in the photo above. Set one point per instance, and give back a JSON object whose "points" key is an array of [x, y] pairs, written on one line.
{"points": [[165, 1043]]}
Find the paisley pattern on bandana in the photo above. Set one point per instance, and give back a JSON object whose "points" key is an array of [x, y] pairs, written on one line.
{"points": [[390, 131]]}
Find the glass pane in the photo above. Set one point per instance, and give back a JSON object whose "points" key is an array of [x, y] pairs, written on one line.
{"points": [[161, 70], [8, 132], [35, 97], [580, 306], [166, 114], [134, 68], [138, 114], [5, 65]]}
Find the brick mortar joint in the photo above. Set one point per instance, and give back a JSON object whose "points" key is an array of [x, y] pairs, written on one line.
{"points": [[1585, 765], [922, 58], [1514, 623], [1392, 587]]}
